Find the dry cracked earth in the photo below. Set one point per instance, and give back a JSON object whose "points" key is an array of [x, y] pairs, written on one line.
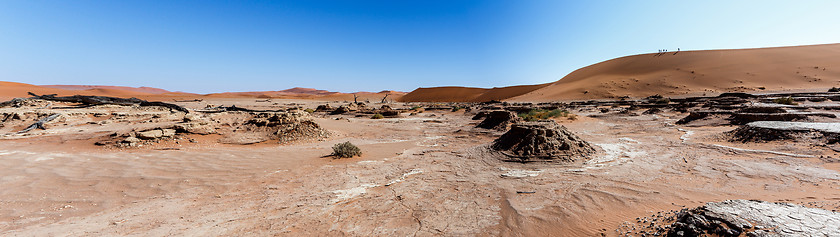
{"points": [[426, 174]]}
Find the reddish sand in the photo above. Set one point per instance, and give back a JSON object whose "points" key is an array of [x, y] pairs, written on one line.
{"points": [[296, 92], [141, 90], [686, 73], [697, 72], [9, 90], [467, 94]]}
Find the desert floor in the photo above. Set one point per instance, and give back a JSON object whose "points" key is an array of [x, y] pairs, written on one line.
{"points": [[421, 175]]}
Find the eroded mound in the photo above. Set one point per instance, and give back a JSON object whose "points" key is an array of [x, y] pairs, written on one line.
{"points": [[543, 140], [282, 126]]}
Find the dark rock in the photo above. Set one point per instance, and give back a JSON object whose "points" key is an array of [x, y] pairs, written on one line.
{"points": [[694, 115], [762, 109], [744, 118], [324, 108], [777, 130], [652, 111], [341, 110], [737, 94], [499, 120], [389, 113], [480, 115]]}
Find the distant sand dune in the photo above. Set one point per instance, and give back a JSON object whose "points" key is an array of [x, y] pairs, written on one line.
{"points": [[142, 89], [687, 73], [697, 72], [467, 94], [10, 90]]}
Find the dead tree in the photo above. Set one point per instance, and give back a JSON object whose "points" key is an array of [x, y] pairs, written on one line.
{"points": [[678, 50], [40, 123], [355, 99], [383, 98], [105, 100]]}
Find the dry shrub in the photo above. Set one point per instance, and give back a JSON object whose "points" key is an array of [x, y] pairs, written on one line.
{"points": [[346, 150], [784, 101], [540, 114]]}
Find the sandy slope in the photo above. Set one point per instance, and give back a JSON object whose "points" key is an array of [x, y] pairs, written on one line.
{"points": [[9, 90], [467, 94], [697, 72], [142, 90], [311, 94], [681, 74]]}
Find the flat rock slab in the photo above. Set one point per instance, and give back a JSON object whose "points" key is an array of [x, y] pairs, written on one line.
{"points": [[781, 218], [780, 130], [797, 126], [757, 218]]}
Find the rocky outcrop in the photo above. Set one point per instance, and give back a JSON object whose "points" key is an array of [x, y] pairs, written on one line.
{"points": [[754, 218], [156, 134], [761, 131], [542, 141], [341, 110], [499, 120], [744, 118], [324, 108]]}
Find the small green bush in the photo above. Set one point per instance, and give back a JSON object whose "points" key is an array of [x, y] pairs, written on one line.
{"points": [[377, 116], [309, 110], [416, 107], [456, 108], [540, 114], [784, 101], [346, 150]]}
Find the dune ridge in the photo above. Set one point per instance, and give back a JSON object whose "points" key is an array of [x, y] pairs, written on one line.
{"points": [[698, 72], [673, 74], [10, 90], [142, 89], [467, 94]]}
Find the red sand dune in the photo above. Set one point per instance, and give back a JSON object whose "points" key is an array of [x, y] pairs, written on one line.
{"points": [[467, 94], [296, 92], [698, 72], [687, 73], [10, 90], [142, 89], [308, 93]]}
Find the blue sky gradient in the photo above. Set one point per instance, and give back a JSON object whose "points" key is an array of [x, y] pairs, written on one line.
{"points": [[372, 45]]}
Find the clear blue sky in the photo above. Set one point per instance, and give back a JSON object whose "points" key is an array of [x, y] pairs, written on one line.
{"points": [[368, 45]]}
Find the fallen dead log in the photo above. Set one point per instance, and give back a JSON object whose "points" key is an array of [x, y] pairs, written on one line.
{"points": [[103, 100], [40, 123], [233, 108], [195, 100]]}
